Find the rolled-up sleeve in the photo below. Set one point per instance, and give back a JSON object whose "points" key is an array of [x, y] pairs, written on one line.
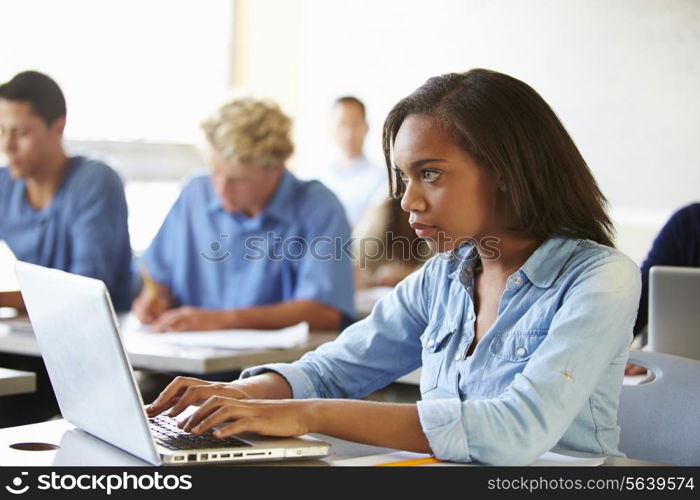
{"points": [[301, 385]]}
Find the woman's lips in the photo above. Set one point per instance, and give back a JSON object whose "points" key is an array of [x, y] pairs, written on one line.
{"points": [[423, 230]]}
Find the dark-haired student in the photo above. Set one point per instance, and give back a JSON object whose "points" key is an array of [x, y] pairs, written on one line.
{"points": [[62, 212], [521, 324], [677, 244]]}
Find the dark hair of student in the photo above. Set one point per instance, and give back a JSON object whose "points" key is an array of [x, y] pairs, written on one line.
{"points": [[509, 129], [348, 99], [40, 91]]}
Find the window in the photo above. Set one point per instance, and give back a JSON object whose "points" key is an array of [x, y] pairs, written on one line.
{"points": [[130, 69], [138, 77]]}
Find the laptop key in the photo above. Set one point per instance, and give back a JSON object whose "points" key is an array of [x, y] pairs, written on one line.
{"points": [[165, 430]]}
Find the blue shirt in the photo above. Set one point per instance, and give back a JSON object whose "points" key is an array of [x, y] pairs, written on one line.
{"points": [[548, 373], [83, 230], [677, 244], [292, 250]]}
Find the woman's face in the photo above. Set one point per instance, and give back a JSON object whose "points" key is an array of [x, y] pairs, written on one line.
{"points": [[450, 198]]}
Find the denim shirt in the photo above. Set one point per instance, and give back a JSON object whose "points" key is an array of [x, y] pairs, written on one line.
{"points": [[547, 374]]}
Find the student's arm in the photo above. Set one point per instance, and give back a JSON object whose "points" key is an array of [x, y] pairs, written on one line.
{"points": [[379, 424], [99, 232], [261, 404], [273, 316]]}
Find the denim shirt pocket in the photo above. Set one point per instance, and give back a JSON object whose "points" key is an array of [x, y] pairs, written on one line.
{"points": [[517, 346], [434, 342]]}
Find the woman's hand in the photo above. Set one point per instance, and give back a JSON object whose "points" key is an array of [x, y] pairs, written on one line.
{"points": [[267, 417], [185, 391]]}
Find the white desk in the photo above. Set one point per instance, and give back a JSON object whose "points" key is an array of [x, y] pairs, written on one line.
{"points": [[16, 337], [16, 382], [76, 448]]}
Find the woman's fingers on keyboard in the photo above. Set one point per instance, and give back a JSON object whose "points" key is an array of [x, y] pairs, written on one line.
{"points": [[172, 395]]}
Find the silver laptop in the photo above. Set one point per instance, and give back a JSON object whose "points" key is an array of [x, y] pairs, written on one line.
{"points": [[674, 310], [77, 331]]}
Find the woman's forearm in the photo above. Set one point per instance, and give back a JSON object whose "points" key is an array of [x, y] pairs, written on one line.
{"points": [[389, 425], [268, 385]]}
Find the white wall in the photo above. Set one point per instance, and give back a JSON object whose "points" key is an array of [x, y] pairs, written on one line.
{"points": [[624, 77]]}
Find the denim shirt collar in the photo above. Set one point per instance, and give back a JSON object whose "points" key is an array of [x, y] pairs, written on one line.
{"points": [[541, 268]]}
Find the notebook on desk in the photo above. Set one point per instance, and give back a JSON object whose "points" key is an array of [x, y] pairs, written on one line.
{"points": [[77, 332], [674, 311]]}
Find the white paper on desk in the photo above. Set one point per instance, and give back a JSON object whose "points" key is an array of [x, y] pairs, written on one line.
{"points": [[237, 339]]}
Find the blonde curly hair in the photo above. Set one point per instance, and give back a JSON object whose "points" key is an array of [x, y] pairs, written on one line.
{"points": [[247, 130]]}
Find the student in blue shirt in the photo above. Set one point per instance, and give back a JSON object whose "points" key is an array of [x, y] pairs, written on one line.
{"points": [[56, 211], [249, 245], [62, 212], [521, 324]]}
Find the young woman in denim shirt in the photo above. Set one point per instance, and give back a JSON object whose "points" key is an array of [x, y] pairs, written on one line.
{"points": [[521, 323]]}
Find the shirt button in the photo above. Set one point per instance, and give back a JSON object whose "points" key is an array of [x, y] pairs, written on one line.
{"points": [[517, 280], [431, 343], [470, 316], [521, 351], [458, 357]]}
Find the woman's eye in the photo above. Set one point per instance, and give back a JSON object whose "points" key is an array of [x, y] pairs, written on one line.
{"points": [[431, 175]]}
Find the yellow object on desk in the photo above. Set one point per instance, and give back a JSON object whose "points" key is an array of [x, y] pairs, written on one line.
{"points": [[148, 283]]}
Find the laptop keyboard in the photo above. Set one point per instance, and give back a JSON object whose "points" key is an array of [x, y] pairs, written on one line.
{"points": [[168, 434]]}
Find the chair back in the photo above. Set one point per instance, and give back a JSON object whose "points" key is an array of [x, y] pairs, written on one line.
{"points": [[660, 419]]}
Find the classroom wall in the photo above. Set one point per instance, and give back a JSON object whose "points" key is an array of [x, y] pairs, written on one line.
{"points": [[622, 75]]}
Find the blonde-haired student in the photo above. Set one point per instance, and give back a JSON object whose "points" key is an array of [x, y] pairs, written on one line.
{"points": [[248, 245]]}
